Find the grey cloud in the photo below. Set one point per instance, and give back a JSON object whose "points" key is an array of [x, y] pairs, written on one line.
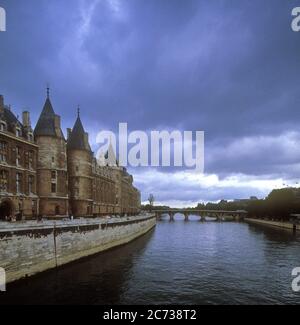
{"points": [[229, 68]]}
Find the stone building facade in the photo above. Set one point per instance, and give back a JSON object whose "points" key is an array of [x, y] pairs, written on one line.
{"points": [[44, 174], [18, 165]]}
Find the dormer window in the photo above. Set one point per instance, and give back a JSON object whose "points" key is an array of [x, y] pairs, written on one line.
{"points": [[30, 137], [3, 126], [18, 132]]}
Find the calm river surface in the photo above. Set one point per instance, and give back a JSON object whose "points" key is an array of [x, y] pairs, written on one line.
{"points": [[178, 262]]}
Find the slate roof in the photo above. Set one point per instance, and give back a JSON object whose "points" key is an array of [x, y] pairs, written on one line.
{"points": [[11, 120], [46, 123], [76, 139], [9, 117]]}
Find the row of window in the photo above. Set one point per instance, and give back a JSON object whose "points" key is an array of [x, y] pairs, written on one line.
{"points": [[4, 182], [4, 152], [3, 128], [104, 192]]}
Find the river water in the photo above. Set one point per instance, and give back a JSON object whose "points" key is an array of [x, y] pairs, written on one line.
{"points": [[180, 263]]}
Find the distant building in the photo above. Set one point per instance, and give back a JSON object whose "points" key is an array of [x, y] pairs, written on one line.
{"points": [[252, 198], [44, 174]]}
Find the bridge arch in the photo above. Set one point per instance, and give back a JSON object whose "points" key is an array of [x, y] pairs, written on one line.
{"points": [[219, 215]]}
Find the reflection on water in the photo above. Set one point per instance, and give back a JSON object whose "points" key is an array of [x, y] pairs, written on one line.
{"points": [[178, 262]]}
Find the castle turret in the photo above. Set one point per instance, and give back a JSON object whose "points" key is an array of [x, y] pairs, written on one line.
{"points": [[52, 178], [80, 158]]}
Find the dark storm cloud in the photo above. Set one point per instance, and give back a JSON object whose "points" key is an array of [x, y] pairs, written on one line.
{"points": [[230, 68]]}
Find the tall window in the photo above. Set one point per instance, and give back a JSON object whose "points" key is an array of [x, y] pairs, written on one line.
{"points": [[53, 188], [30, 159], [3, 181], [53, 174], [19, 182], [18, 156], [31, 184], [3, 151]]}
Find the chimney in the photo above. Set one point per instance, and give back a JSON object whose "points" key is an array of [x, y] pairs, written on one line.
{"points": [[86, 140], [69, 130], [26, 119], [1, 103]]}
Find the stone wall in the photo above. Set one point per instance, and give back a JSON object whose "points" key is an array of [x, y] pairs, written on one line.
{"points": [[30, 249], [283, 225], [80, 182]]}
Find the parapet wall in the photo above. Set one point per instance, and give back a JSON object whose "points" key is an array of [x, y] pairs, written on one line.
{"points": [[29, 249]]}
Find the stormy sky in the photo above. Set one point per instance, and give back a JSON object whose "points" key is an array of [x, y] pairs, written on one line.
{"points": [[230, 68]]}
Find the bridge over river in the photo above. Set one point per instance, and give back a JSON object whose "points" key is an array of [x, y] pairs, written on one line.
{"points": [[219, 215]]}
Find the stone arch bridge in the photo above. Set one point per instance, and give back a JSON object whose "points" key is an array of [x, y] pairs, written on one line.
{"points": [[218, 214]]}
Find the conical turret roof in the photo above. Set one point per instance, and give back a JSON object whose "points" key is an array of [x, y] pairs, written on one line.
{"points": [[77, 139], [46, 122]]}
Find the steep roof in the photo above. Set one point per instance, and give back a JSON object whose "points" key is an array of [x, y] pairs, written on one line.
{"points": [[76, 139], [46, 123], [9, 117], [11, 120]]}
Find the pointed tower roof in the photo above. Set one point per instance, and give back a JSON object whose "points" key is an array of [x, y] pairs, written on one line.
{"points": [[46, 123], [110, 156], [78, 139]]}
